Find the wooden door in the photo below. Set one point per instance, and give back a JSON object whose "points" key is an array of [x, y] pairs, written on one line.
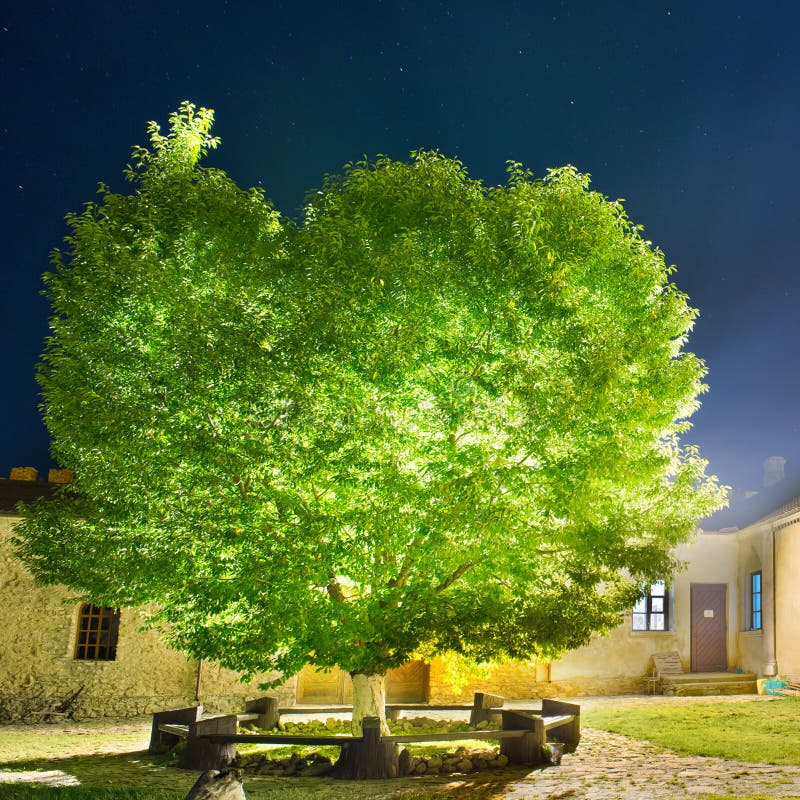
{"points": [[709, 627], [408, 684], [317, 687]]}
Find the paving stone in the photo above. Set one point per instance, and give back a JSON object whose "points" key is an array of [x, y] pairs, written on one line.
{"points": [[597, 771]]}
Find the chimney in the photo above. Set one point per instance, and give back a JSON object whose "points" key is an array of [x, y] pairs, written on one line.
{"points": [[773, 470], [24, 474], [59, 476]]}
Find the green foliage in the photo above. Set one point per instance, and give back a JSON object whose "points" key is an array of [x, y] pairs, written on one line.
{"points": [[432, 416], [458, 671]]}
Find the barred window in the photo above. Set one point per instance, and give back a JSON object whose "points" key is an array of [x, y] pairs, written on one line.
{"points": [[98, 631], [651, 612]]}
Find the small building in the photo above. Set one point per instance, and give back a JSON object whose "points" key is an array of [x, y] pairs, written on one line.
{"points": [[731, 609], [53, 644]]}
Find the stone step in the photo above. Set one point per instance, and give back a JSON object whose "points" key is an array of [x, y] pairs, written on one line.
{"points": [[709, 677], [703, 688]]}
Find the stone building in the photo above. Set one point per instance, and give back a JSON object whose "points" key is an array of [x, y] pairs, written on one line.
{"points": [[733, 608], [53, 645]]}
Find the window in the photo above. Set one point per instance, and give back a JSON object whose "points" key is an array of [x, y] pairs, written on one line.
{"points": [[755, 601], [98, 631], [651, 612]]}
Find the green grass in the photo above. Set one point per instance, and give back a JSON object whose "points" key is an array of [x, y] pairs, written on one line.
{"points": [[764, 732]]}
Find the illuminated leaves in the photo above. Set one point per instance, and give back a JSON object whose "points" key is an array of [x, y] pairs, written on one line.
{"points": [[430, 416]]}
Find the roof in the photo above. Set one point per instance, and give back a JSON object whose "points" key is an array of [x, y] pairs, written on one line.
{"points": [[13, 492], [770, 503]]}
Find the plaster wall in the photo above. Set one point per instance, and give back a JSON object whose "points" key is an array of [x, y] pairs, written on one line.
{"points": [[751, 651], [787, 599], [616, 664], [37, 664], [625, 654], [749, 560]]}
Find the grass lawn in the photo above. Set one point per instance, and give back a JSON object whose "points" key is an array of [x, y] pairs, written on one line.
{"points": [[764, 732]]}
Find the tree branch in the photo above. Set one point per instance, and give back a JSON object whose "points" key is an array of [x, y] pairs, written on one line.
{"points": [[455, 576]]}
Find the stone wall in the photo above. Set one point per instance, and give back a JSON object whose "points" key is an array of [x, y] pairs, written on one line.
{"points": [[522, 681], [37, 664]]}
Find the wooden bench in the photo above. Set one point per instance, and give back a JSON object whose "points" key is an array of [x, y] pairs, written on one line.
{"points": [[211, 741], [664, 663], [561, 720], [63, 709]]}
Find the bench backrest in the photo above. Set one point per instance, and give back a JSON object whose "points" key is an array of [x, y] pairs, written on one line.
{"points": [[668, 663]]}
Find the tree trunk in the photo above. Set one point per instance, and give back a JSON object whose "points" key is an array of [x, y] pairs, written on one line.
{"points": [[371, 758], [369, 700]]}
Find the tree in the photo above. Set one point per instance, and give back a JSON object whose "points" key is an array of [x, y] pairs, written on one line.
{"points": [[432, 416]]}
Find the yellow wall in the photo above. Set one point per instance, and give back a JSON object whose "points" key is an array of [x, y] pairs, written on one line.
{"points": [[750, 643], [616, 663], [787, 596], [625, 653], [37, 664]]}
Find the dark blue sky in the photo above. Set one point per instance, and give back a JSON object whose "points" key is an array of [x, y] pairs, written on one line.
{"points": [[688, 110]]}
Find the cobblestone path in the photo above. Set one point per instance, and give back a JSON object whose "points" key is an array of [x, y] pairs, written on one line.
{"points": [[607, 766]]}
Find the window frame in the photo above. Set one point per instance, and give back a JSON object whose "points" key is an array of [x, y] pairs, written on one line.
{"points": [[97, 634], [652, 607], [755, 617]]}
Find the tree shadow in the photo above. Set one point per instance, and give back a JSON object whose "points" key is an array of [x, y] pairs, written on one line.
{"points": [[142, 776], [133, 770]]}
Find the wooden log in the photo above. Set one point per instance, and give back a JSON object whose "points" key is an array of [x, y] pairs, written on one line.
{"points": [[569, 733], [525, 749], [161, 742], [203, 754], [369, 758], [279, 738], [311, 709], [181, 731], [482, 704], [341, 709], [267, 709], [451, 737], [404, 763]]}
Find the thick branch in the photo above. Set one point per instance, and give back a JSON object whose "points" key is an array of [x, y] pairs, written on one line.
{"points": [[402, 576], [455, 576]]}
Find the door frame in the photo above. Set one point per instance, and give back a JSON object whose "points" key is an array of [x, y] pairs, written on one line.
{"points": [[692, 648]]}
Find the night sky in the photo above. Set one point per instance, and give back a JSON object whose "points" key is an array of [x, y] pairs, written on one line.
{"points": [[689, 111]]}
